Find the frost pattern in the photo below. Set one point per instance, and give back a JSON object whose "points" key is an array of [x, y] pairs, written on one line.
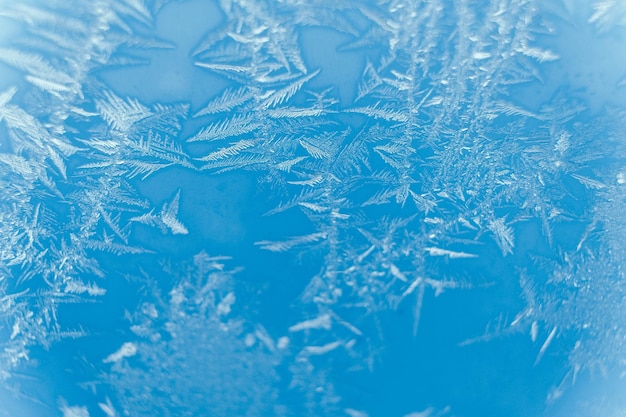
{"points": [[431, 171], [65, 194], [187, 342]]}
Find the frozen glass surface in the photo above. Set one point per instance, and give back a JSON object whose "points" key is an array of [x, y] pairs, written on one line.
{"points": [[298, 208]]}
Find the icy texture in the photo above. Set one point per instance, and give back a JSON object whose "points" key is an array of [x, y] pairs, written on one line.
{"points": [[437, 147]]}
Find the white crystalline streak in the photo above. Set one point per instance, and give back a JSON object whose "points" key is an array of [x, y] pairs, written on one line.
{"points": [[224, 307], [74, 411], [321, 350], [108, 408], [169, 215], [433, 251], [321, 322], [127, 350]]}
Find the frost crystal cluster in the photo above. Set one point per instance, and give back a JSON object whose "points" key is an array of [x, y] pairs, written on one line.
{"points": [[312, 208]]}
